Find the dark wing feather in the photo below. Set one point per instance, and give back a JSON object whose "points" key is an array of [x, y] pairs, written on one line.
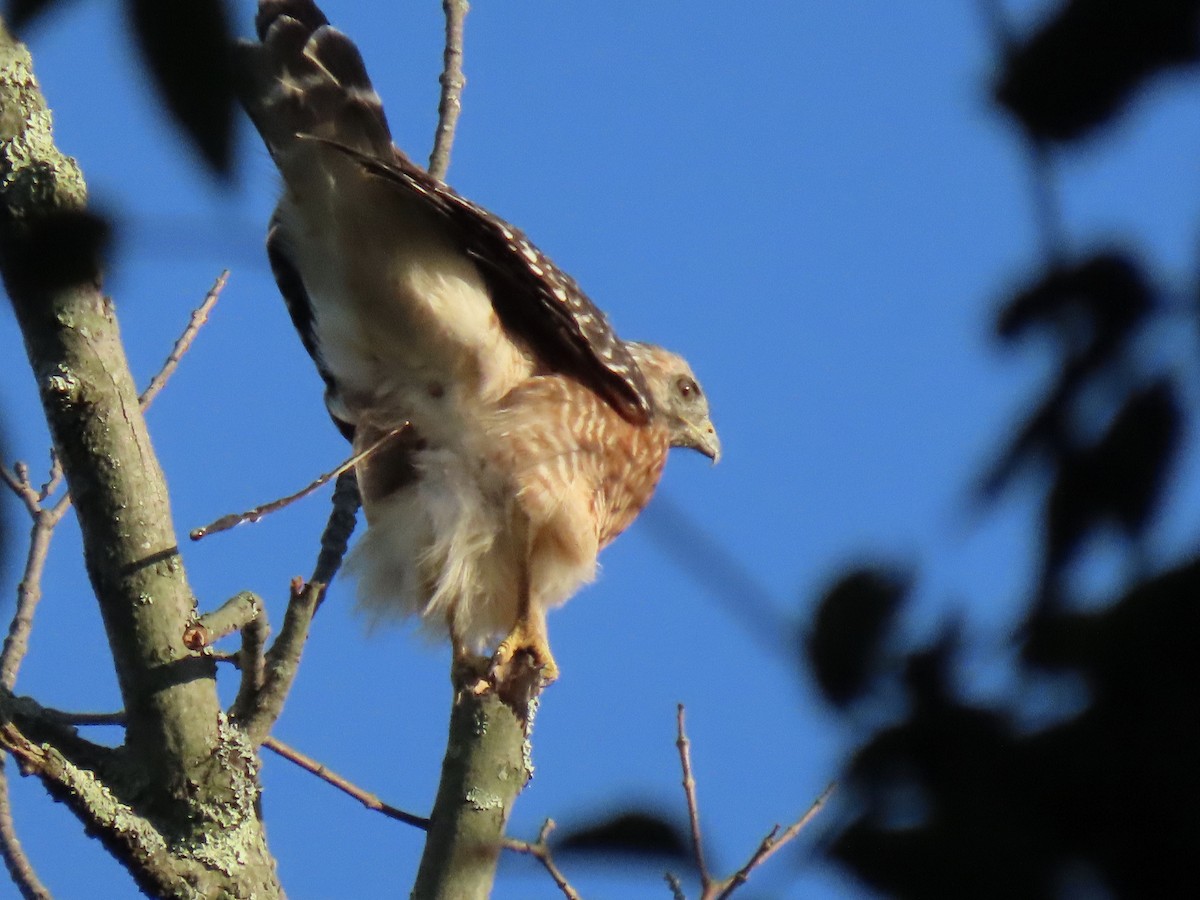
{"points": [[307, 78], [299, 307], [533, 297]]}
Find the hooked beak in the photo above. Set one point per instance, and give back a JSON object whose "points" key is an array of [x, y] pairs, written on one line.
{"points": [[705, 440]]}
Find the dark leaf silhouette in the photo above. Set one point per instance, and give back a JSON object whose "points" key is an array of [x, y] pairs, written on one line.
{"points": [[187, 48], [1120, 479], [1086, 63], [958, 801], [23, 12], [1092, 308], [630, 833], [55, 251], [1093, 311], [851, 624]]}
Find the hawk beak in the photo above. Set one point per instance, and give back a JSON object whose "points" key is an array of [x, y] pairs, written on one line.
{"points": [[707, 442]]}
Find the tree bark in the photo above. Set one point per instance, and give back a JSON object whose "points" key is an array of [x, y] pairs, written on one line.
{"points": [[177, 805], [486, 765]]}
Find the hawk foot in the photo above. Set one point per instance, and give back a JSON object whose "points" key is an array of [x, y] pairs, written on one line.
{"points": [[521, 666]]}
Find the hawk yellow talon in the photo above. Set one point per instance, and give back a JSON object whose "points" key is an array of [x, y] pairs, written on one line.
{"points": [[519, 654]]}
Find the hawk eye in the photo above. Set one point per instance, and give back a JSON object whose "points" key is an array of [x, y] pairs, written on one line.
{"points": [[687, 387]]}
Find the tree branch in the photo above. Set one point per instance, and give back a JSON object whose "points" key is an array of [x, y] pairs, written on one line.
{"points": [[235, 614], [486, 766], [176, 807], [721, 888], [366, 798], [183, 342], [19, 867], [259, 713], [540, 850], [453, 81]]}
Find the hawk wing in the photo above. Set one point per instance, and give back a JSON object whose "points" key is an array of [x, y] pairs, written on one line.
{"points": [[306, 88]]}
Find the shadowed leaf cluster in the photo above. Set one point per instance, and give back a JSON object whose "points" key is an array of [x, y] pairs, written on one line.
{"points": [[185, 47], [1087, 62], [1081, 781]]}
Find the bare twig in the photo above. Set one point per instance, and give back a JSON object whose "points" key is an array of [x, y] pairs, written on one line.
{"points": [[199, 317], [689, 790], [720, 888], [29, 592], [675, 885], [453, 81], [15, 860], [85, 718], [771, 844], [232, 615], [366, 798], [54, 479], [259, 712], [17, 479], [253, 515], [540, 850]]}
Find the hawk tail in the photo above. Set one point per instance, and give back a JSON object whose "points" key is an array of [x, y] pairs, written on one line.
{"points": [[307, 79]]}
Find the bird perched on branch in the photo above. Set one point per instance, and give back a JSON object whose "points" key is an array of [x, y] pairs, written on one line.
{"points": [[531, 434]]}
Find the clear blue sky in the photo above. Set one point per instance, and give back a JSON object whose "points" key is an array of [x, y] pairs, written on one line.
{"points": [[814, 202]]}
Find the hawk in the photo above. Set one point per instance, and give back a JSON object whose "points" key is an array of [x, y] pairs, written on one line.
{"points": [[530, 435]]}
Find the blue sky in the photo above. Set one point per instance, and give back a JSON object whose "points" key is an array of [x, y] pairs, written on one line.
{"points": [[813, 202]]}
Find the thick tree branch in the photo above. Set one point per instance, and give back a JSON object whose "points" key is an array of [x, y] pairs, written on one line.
{"points": [[91, 405], [177, 805], [486, 766]]}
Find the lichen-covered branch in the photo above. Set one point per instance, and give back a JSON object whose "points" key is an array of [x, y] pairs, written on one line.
{"points": [[176, 804], [486, 766]]}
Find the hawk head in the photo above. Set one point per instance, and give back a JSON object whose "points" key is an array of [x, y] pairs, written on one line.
{"points": [[679, 403]]}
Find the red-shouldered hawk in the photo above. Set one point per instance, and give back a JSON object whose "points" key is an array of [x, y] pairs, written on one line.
{"points": [[533, 436]]}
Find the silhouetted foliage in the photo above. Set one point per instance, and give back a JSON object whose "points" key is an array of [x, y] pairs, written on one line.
{"points": [[1101, 796], [21, 12], [1092, 312], [185, 47], [849, 628], [55, 251], [1084, 64], [629, 833], [187, 50]]}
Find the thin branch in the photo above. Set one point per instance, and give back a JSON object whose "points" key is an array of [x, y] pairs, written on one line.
{"points": [[453, 81], [675, 885], [85, 718], [232, 615], [253, 515], [15, 860], [772, 843], [366, 798], [689, 790], [17, 479], [53, 480], [199, 317], [718, 889], [29, 593], [540, 850], [283, 659], [259, 712]]}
